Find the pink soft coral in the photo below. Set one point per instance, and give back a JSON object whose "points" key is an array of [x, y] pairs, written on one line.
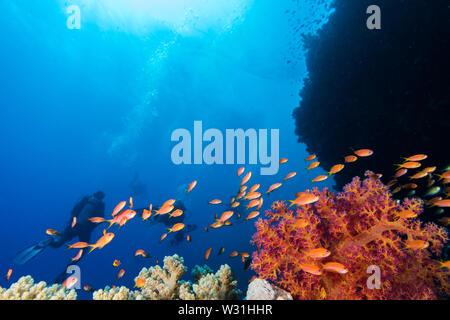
{"points": [[360, 227]]}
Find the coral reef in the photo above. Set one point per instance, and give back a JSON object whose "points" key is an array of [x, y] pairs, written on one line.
{"points": [[387, 89], [118, 293], [360, 227], [26, 289], [219, 286], [260, 289]]}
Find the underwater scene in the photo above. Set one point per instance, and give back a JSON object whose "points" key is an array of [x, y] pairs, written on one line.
{"points": [[224, 150]]}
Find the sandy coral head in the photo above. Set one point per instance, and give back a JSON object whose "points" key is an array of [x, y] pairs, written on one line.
{"points": [[360, 227], [26, 289]]}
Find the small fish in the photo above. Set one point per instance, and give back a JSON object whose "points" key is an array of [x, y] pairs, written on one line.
{"points": [[290, 175], [409, 186], [252, 278], [417, 157], [431, 202], [445, 175], [335, 169], [88, 288], [131, 202], [97, 219], [208, 252], [411, 193], [409, 165], [8, 274], [417, 244], [407, 214], [188, 238], [310, 157], [225, 216], [253, 204], [392, 182], [216, 224], [444, 264], [244, 255], [252, 215], [78, 256], [445, 221], [363, 152], [313, 165], [396, 190], [221, 250], [283, 160], [419, 175], [318, 253], [442, 203], [235, 204], [140, 252], [206, 229], [120, 274], [439, 211], [429, 169], [261, 200], [252, 195], [116, 263], [146, 214], [246, 178], [234, 254], [430, 182], [78, 245], [400, 173], [103, 241], [310, 268], [164, 210], [169, 202], [52, 232], [301, 223], [215, 201], [304, 199], [242, 189], [176, 227], [351, 158], [191, 186], [176, 213], [240, 171], [433, 191], [140, 282], [254, 188], [319, 178], [163, 237], [74, 222], [118, 208], [273, 187], [70, 282], [335, 267], [247, 264]]}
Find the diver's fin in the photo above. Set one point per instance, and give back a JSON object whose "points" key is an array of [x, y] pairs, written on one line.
{"points": [[29, 253]]}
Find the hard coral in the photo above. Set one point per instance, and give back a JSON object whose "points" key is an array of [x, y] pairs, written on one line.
{"points": [[26, 289], [360, 227]]}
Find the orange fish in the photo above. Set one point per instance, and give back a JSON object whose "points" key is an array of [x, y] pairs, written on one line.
{"points": [[310, 157], [78, 256], [74, 222], [176, 227], [234, 254], [313, 165], [244, 255], [432, 201], [140, 282], [335, 267], [103, 241], [140, 252], [318, 253], [417, 157], [122, 218], [392, 182], [120, 274], [363, 152], [208, 252], [444, 264], [419, 175], [252, 195], [445, 175], [319, 178], [118, 208], [70, 282], [52, 232], [445, 221], [400, 173], [442, 203], [273, 187], [310, 268], [215, 201], [301, 223], [254, 188], [261, 200], [131, 202], [164, 210], [253, 203], [429, 169], [146, 214], [417, 244], [88, 288], [116, 263], [191, 186], [8, 274], [409, 186], [396, 190], [290, 175], [246, 178], [351, 158], [97, 219], [252, 215], [240, 171], [168, 203], [216, 225], [407, 214], [235, 204], [78, 245], [283, 160], [176, 213], [409, 165], [336, 168], [188, 238], [225, 216], [163, 237], [304, 199]]}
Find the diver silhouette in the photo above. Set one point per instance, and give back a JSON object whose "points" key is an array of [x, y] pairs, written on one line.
{"points": [[88, 207]]}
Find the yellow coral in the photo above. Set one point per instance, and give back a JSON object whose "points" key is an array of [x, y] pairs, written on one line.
{"points": [[26, 289]]}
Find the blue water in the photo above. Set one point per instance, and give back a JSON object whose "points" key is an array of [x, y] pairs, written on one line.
{"points": [[83, 110]]}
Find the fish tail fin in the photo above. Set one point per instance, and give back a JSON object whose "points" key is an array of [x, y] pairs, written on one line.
{"points": [[292, 203], [111, 222], [92, 248]]}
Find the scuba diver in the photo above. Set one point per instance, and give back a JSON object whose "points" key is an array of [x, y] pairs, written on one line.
{"points": [[88, 207]]}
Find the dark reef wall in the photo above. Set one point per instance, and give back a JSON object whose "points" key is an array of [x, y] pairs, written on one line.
{"points": [[388, 89]]}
